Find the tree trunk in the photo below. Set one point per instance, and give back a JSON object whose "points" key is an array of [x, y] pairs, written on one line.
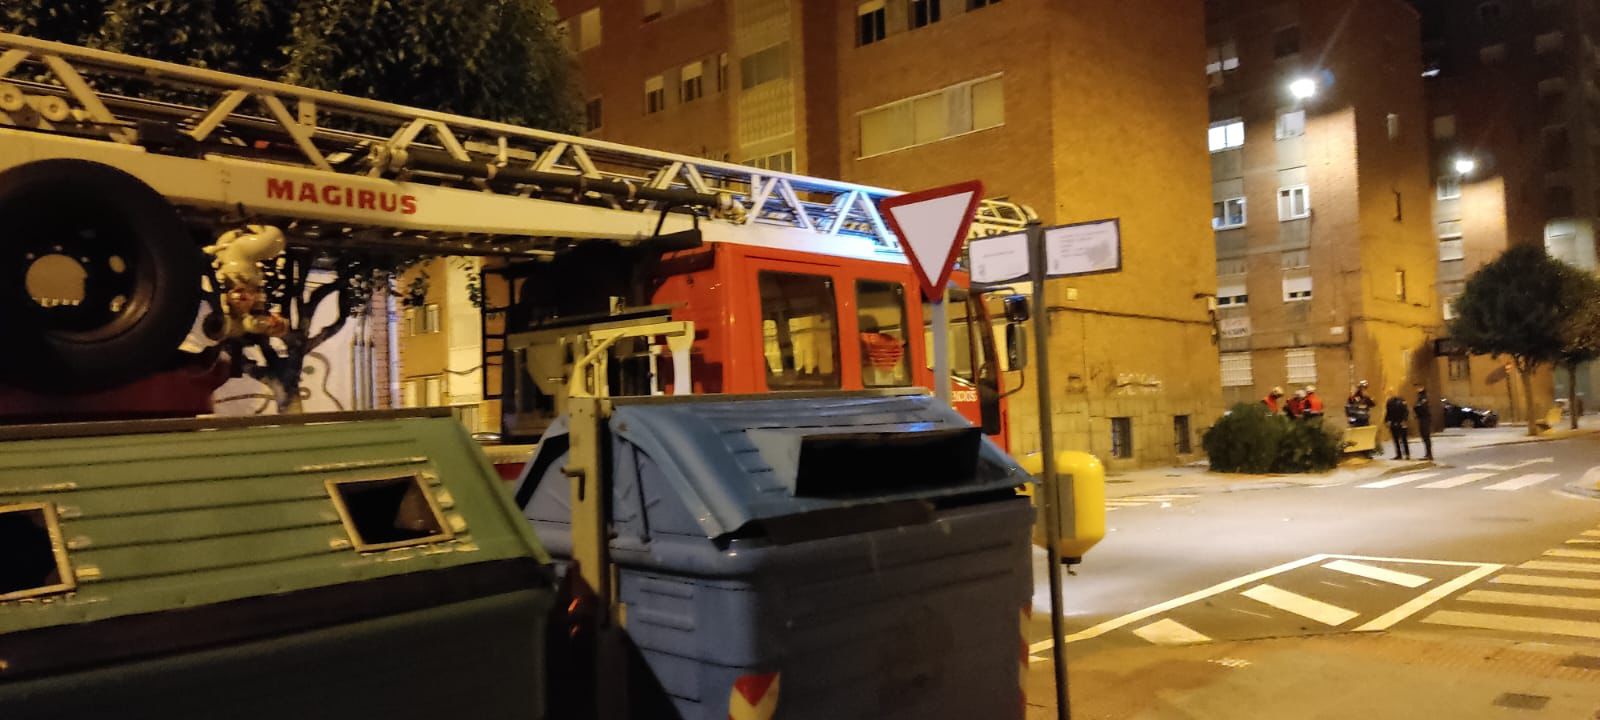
{"points": [[1572, 393], [1527, 398]]}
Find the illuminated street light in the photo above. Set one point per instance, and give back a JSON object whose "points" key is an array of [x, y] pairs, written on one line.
{"points": [[1303, 89], [1465, 165]]}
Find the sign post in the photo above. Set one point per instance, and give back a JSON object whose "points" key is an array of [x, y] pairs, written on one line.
{"points": [[1038, 254], [932, 226]]}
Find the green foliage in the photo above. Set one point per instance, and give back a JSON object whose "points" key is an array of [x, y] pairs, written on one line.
{"points": [[1580, 327], [1250, 440], [499, 60], [1513, 306]]}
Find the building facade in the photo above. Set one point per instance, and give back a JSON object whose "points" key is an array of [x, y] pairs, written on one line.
{"points": [[439, 342], [1083, 111], [1512, 88], [1321, 198]]}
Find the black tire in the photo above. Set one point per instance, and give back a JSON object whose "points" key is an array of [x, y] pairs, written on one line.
{"points": [[140, 267]]}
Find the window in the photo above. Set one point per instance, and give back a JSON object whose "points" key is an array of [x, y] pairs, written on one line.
{"points": [[961, 347], [1493, 54], [1236, 370], [1452, 249], [881, 320], [1227, 214], [1450, 307], [691, 86], [955, 110], [1460, 367], [764, 66], [429, 319], [1549, 42], [408, 322], [1449, 186], [778, 162], [1181, 435], [1291, 124], [1231, 291], [800, 330], [655, 94], [1302, 365], [1392, 122], [1444, 127], [924, 13], [1558, 201], [722, 72], [1297, 285], [588, 34], [1122, 437], [408, 394], [652, 10], [1400, 285], [1226, 135], [872, 22], [592, 115], [1222, 58], [1286, 41], [433, 391], [1294, 203]]}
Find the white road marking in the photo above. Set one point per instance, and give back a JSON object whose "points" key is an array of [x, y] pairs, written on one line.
{"points": [[1170, 632], [1543, 581], [1325, 613], [1560, 602], [1591, 533], [1564, 553], [1515, 623], [1560, 566], [1456, 481], [1417, 604], [1372, 572], [1400, 480], [1166, 497], [1584, 541], [1504, 468], [1522, 481]]}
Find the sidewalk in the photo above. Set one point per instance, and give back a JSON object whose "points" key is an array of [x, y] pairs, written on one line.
{"points": [[1196, 478], [1373, 676]]}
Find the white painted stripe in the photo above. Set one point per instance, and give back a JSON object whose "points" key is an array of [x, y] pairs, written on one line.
{"points": [[1456, 481], [1372, 572], [1170, 632], [1544, 581], [1165, 497], [1560, 566], [1560, 602], [1515, 623], [1331, 615], [1522, 481], [1584, 541], [1440, 592], [1562, 552], [1398, 480], [1158, 608], [1591, 533]]}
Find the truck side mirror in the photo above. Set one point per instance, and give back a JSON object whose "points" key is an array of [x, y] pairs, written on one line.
{"points": [[1017, 308], [1016, 346], [989, 406]]}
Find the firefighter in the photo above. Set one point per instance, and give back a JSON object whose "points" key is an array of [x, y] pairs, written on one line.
{"points": [[1274, 401], [1313, 403], [1358, 409], [1296, 408], [1395, 414]]}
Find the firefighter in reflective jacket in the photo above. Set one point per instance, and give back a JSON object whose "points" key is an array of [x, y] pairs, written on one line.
{"points": [[1274, 401]]}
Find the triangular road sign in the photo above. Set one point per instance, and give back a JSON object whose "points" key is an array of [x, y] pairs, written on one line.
{"points": [[932, 225]]}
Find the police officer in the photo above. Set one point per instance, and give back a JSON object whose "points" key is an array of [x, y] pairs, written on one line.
{"points": [[1395, 414], [1424, 421]]}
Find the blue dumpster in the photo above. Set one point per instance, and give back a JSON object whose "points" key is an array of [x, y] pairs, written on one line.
{"points": [[857, 556]]}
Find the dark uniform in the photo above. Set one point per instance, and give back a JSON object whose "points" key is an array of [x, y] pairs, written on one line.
{"points": [[1425, 422], [1396, 414]]}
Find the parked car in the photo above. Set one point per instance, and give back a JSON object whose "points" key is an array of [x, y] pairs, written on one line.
{"points": [[1457, 416]]}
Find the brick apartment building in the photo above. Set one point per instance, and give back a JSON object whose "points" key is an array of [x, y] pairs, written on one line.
{"points": [[1322, 198], [1085, 110], [1512, 87]]}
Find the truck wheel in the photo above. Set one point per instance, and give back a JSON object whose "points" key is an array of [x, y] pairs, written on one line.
{"points": [[99, 277]]}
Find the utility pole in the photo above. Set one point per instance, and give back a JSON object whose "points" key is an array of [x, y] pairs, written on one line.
{"points": [[1048, 494]]}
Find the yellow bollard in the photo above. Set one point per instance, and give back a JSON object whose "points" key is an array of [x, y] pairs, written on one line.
{"points": [[1083, 513]]}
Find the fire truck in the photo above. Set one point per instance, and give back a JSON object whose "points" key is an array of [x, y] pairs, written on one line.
{"points": [[110, 187], [142, 201]]}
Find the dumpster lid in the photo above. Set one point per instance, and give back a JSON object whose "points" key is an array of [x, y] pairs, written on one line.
{"points": [[739, 461]]}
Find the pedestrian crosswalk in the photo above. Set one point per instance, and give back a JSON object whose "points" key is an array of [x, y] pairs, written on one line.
{"points": [[1133, 501], [1481, 477], [1556, 595]]}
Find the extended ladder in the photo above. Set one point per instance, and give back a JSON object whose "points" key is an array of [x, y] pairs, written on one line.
{"points": [[338, 170]]}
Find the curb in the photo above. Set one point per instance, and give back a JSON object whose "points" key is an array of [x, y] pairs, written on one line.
{"points": [[1582, 490]]}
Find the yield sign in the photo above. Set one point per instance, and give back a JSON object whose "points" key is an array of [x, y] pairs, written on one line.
{"points": [[932, 224]]}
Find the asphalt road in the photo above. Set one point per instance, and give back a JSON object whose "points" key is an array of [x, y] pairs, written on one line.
{"points": [[1486, 543]]}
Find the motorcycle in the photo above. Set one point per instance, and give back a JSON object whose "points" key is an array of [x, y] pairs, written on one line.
{"points": [[1458, 415]]}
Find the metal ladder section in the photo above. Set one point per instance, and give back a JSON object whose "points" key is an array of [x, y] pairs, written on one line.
{"points": [[175, 111]]}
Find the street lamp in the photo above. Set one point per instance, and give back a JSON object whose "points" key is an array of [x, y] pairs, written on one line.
{"points": [[1465, 165], [1303, 88]]}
